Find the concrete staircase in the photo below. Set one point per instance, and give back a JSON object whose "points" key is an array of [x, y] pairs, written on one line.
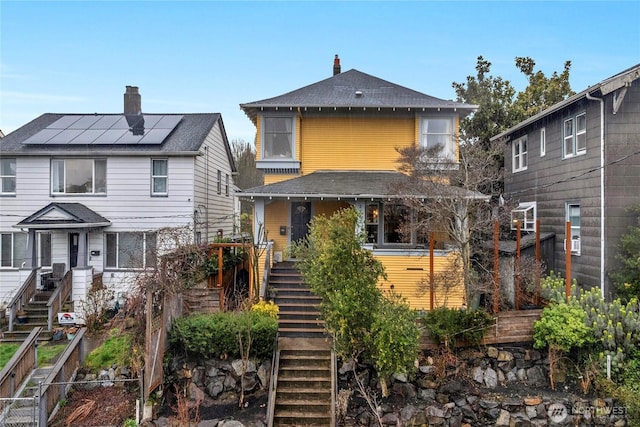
{"points": [[304, 386]]}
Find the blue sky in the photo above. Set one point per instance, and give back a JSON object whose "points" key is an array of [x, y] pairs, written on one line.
{"points": [[210, 56]]}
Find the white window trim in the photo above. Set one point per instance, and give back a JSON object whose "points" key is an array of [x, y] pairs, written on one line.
{"points": [[576, 238], [93, 178], [294, 130], [13, 250], [153, 178], [145, 264], [517, 155], [528, 211], [450, 152], [543, 142], [14, 177], [574, 136], [219, 183]]}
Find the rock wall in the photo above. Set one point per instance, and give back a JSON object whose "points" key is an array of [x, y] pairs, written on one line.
{"points": [[480, 387]]}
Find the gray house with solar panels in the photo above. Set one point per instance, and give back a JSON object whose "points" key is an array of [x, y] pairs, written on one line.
{"points": [[91, 194]]}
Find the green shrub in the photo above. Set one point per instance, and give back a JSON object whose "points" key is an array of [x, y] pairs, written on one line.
{"points": [[447, 326], [216, 335]]}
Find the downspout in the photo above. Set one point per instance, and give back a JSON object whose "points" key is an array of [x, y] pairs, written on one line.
{"points": [[602, 253]]}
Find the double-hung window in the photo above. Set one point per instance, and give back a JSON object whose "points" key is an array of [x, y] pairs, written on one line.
{"points": [[131, 250], [575, 135], [519, 151], [277, 137], [437, 137], [389, 224], [78, 176], [7, 176], [573, 216], [226, 185], [159, 177], [219, 182], [13, 250]]}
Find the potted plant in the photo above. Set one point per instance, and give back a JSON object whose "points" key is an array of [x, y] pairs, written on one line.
{"points": [[22, 316], [71, 332], [57, 334]]}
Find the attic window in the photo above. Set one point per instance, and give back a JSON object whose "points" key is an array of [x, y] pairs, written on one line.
{"points": [[525, 214]]}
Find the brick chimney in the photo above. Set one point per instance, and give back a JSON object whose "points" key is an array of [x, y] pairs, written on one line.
{"points": [[336, 65], [132, 101]]}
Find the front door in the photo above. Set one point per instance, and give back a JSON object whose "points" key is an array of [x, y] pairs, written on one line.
{"points": [[300, 217], [73, 249]]}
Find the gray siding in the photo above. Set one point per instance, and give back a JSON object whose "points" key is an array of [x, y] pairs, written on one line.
{"points": [[215, 211], [553, 182]]}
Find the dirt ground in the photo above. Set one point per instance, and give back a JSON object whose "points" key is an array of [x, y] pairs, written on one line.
{"points": [[101, 406]]}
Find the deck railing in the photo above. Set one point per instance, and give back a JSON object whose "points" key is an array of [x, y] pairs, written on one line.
{"points": [[22, 297], [59, 296], [57, 384], [266, 272], [20, 365]]}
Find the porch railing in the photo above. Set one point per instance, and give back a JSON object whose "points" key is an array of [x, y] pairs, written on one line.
{"points": [[22, 297], [59, 296], [20, 365]]}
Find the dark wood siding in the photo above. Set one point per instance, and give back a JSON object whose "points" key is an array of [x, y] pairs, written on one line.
{"points": [[552, 181]]}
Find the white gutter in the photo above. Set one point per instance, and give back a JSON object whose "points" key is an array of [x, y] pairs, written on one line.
{"points": [[602, 253]]}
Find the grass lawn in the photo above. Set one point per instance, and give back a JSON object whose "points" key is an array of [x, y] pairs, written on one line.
{"points": [[46, 353]]}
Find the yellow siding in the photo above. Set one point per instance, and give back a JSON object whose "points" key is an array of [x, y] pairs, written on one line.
{"points": [[353, 143], [403, 272], [277, 214], [329, 208]]}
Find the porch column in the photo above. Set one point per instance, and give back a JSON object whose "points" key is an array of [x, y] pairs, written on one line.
{"points": [[82, 249], [31, 260], [360, 207], [258, 221]]}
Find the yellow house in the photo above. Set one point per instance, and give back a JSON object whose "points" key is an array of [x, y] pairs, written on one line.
{"points": [[332, 144]]}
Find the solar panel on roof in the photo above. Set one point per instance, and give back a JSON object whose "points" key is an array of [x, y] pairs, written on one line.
{"points": [[98, 129]]}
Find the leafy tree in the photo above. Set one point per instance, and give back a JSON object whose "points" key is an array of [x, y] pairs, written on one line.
{"points": [[499, 105], [627, 278]]}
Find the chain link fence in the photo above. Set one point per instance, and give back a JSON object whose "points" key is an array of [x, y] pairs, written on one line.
{"points": [[19, 412]]}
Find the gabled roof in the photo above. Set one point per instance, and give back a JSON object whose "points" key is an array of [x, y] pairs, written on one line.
{"points": [[64, 215], [186, 138], [355, 89], [346, 184], [620, 80]]}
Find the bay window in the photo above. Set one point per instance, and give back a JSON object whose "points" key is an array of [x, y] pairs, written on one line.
{"points": [[79, 176], [277, 137]]}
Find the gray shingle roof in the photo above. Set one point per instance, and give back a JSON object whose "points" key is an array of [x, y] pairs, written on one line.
{"points": [[354, 88], [346, 184], [186, 138], [69, 215]]}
